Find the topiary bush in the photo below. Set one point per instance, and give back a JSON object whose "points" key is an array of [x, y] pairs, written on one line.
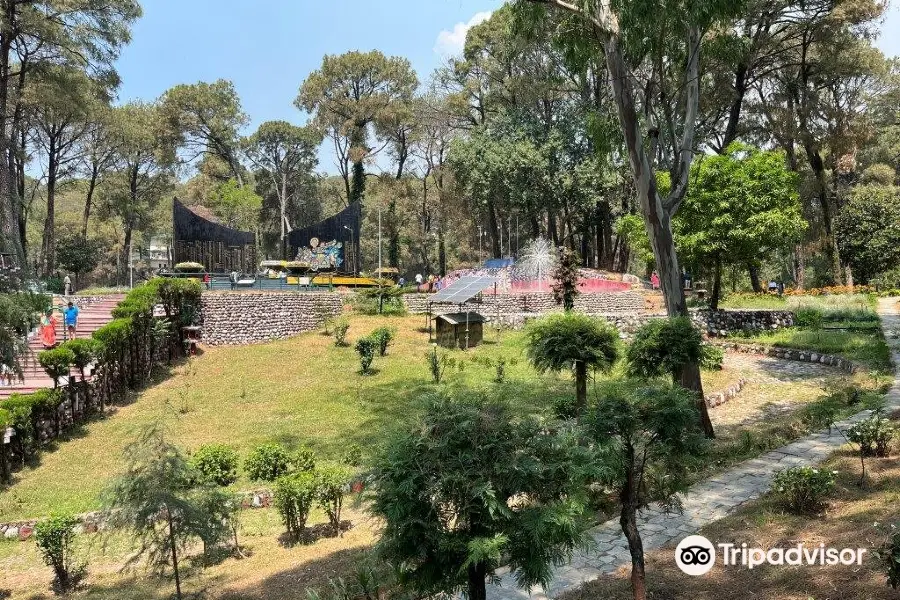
{"points": [[267, 462], [55, 538], [873, 435], [366, 348], [294, 496], [384, 336], [216, 464], [802, 490], [56, 362], [664, 347]]}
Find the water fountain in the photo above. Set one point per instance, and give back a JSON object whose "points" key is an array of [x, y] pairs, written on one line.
{"points": [[536, 261]]}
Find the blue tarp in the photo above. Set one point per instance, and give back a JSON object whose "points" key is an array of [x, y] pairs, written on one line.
{"points": [[498, 263]]}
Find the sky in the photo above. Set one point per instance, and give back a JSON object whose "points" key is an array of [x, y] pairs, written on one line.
{"points": [[268, 47]]}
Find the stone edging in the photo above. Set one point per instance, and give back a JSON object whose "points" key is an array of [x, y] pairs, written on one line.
{"points": [[719, 398], [832, 360]]}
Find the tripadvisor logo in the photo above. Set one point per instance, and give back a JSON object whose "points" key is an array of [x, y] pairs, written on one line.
{"points": [[696, 555]]}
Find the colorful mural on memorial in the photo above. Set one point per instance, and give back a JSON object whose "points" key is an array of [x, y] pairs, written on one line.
{"points": [[322, 256]]}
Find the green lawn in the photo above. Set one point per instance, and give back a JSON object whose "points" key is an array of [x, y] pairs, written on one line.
{"points": [[861, 343], [298, 391], [826, 303]]}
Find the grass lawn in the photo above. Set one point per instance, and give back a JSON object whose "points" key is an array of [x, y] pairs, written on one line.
{"points": [[865, 345], [302, 390], [826, 303], [271, 571], [307, 391], [847, 523]]}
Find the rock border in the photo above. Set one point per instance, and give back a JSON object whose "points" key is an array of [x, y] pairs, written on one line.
{"points": [[831, 360], [729, 393]]}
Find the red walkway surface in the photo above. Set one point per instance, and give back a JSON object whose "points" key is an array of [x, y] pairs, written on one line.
{"points": [[90, 319]]}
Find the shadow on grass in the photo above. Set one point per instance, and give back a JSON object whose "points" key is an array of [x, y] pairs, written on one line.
{"points": [[314, 574]]}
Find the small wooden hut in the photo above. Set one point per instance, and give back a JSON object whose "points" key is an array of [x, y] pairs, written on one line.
{"points": [[460, 330]]}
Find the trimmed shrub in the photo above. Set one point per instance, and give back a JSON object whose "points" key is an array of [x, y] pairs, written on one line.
{"points": [[303, 459], [216, 464], [366, 347], [332, 482], [54, 538], [56, 362], [802, 490], [267, 462], [384, 336], [339, 327], [294, 496], [873, 435], [663, 347], [189, 267]]}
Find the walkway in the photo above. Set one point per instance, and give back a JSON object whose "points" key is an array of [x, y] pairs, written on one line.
{"points": [[91, 318], [707, 501]]}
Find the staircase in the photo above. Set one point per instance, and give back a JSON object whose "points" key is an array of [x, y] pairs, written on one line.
{"points": [[90, 319]]}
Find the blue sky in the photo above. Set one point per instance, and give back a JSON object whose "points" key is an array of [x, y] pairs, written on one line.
{"points": [[268, 47]]}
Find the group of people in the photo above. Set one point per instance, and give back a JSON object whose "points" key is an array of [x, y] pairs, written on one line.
{"points": [[47, 329]]}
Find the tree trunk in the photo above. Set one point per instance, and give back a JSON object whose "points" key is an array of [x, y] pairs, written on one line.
{"points": [[753, 270], [10, 233], [580, 386], [628, 521], [494, 231], [734, 111], [717, 284], [173, 546], [88, 199], [477, 589], [48, 247]]}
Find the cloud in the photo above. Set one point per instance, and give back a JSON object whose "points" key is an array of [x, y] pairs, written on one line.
{"points": [[451, 43]]}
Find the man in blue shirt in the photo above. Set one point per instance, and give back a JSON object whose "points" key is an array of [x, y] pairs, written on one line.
{"points": [[71, 319]]}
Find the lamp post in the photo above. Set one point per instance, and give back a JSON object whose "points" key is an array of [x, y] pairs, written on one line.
{"points": [[352, 249]]}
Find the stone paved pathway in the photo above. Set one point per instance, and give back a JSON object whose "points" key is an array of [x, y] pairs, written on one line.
{"points": [[707, 501]]}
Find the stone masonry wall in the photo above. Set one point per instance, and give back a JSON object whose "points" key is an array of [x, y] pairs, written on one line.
{"points": [[251, 317], [534, 302]]}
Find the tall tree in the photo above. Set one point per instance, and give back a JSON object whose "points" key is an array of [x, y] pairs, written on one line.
{"points": [[84, 34], [283, 154], [144, 165], [60, 104], [98, 155], [652, 54], [350, 94], [742, 206], [208, 118]]}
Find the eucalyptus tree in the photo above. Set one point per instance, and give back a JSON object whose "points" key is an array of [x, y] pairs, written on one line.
{"points": [[652, 54], [83, 34], [349, 95]]}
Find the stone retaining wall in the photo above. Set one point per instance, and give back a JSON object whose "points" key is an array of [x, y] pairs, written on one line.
{"points": [[720, 323], [532, 303], [250, 317]]}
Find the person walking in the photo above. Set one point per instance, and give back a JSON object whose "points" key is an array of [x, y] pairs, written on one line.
{"points": [[654, 280], [48, 330], [67, 285], [70, 317]]}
